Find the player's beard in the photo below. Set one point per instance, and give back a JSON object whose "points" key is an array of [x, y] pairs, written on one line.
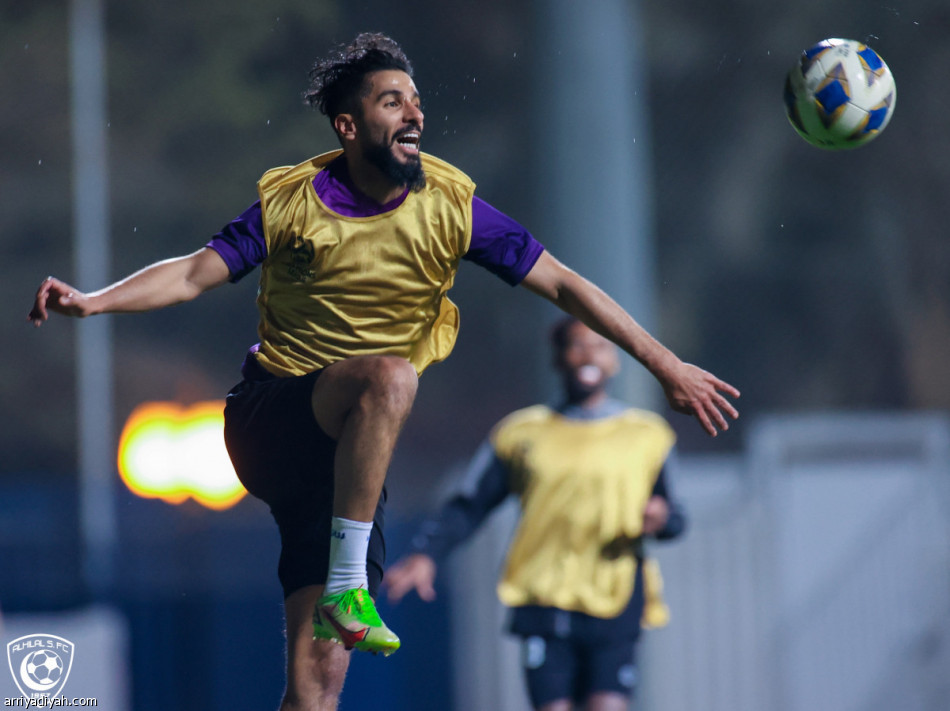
{"points": [[581, 385], [409, 173]]}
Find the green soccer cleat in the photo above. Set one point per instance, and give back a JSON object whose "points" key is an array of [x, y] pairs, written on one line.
{"points": [[350, 618]]}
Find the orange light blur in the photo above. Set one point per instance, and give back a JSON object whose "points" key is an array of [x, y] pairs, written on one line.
{"points": [[171, 452]]}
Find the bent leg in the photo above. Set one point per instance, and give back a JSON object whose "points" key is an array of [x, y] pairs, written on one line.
{"points": [[610, 673], [607, 701], [362, 403], [559, 705], [315, 668], [550, 672]]}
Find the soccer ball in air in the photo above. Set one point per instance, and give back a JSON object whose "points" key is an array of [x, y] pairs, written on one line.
{"points": [[840, 94], [44, 667]]}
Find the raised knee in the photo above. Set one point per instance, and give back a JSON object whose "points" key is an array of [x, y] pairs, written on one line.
{"points": [[391, 382], [397, 372]]}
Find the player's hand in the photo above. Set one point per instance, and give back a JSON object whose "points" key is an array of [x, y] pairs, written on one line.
{"points": [[655, 515], [58, 296], [415, 572], [696, 392]]}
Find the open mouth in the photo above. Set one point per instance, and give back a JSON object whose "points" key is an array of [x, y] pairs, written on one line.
{"points": [[409, 141], [589, 375]]}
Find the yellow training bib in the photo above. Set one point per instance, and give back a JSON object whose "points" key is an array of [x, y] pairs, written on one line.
{"points": [[583, 486], [333, 286]]}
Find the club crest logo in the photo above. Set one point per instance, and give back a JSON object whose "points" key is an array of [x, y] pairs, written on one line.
{"points": [[40, 664]]}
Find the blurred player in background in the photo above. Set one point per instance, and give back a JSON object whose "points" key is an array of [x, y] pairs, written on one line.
{"points": [[592, 483], [357, 249]]}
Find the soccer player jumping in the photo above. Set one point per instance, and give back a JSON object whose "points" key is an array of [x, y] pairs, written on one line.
{"points": [[358, 248]]}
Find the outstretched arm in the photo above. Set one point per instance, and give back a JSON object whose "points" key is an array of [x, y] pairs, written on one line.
{"points": [[164, 283], [688, 389], [414, 572], [484, 486]]}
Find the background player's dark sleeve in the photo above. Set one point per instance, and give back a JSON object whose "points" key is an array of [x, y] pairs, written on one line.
{"points": [[676, 523], [484, 486]]}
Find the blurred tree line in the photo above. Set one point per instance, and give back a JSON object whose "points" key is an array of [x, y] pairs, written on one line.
{"points": [[811, 280], [822, 278]]}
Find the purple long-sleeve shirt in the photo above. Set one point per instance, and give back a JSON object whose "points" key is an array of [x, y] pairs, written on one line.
{"points": [[499, 244]]}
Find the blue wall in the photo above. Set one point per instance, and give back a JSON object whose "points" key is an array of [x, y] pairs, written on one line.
{"points": [[199, 591]]}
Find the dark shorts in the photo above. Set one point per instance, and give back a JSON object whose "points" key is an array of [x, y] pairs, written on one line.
{"points": [[282, 457], [558, 668], [570, 655]]}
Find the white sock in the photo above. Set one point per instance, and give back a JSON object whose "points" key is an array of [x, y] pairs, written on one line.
{"points": [[349, 541]]}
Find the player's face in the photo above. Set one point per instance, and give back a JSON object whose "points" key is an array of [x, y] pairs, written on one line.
{"points": [[389, 126], [587, 362]]}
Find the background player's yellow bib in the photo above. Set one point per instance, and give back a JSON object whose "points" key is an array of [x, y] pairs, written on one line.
{"points": [[583, 486]]}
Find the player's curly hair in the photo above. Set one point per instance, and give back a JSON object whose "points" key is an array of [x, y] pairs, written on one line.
{"points": [[336, 80]]}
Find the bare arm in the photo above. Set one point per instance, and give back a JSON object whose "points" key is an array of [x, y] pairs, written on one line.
{"points": [[164, 283], [414, 572], [655, 515], [688, 389]]}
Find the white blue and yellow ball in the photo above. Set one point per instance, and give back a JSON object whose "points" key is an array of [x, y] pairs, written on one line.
{"points": [[840, 94]]}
